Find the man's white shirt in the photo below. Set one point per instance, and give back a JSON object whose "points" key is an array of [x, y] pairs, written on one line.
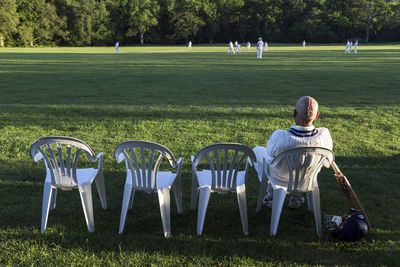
{"points": [[282, 140]]}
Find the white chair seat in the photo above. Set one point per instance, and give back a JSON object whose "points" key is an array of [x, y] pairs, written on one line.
{"points": [[205, 178], [164, 179], [83, 176]]}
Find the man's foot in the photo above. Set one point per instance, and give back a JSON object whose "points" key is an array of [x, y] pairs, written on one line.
{"points": [[267, 201], [296, 201]]}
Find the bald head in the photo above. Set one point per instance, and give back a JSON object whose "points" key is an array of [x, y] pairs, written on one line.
{"points": [[306, 111]]}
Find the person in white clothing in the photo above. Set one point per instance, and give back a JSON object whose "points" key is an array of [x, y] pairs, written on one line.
{"points": [[238, 46], [351, 45], [190, 44], [248, 45], [266, 46], [117, 47], [260, 44], [230, 48], [303, 133], [347, 47], [303, 44], [355, 47]]}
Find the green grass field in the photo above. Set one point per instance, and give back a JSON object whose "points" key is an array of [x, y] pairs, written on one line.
{"points": [[185, 100]]}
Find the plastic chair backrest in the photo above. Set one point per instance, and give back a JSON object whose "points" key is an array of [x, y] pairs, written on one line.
{"points": [[135, 161], [224, 174], [303, 165], [63, 171]]}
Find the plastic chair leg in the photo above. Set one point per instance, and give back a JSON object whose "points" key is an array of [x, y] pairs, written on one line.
{"points": [[203, 203], [178, 193], [165, 209], [310, 201], [47, 196], [241, 196], [262, 192], [53, 198], [277, 204], [317, 209], [85, 191], [125, 204], [195, 192], [132, 198], [101, 189]]}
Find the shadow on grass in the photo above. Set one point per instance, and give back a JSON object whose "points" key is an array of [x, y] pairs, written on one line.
{"points": [[25, 116]]}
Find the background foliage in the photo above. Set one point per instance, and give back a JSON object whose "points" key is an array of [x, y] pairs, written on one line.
{"points": [[102, 22]]}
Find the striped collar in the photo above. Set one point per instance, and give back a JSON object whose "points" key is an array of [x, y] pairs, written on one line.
{"points": [[301, 131]]}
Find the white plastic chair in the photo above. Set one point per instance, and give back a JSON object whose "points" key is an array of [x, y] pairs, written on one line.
{"points": [[225, 175], [62, 173], [139, 177], [301, 165]]}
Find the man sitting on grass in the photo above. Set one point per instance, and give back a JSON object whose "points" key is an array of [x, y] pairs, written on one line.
{"points": [[302, 134]]}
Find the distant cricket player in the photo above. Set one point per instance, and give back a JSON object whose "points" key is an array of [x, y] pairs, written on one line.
{"points": [[117, 47], [248, 45], [260, 44], [230, 48], [266, 46], [355, 47], [238, 46], [303, 44], [190, 44], [347, 47]]}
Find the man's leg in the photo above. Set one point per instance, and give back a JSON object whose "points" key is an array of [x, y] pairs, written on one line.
{"points": [[267, 201], [296, 201], [260, 153]]}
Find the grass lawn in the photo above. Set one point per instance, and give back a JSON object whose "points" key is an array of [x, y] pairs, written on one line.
{"points": [[185, 100]]}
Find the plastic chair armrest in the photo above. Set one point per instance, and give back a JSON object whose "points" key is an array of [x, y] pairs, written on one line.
{"points": [[178, 162], [192, 160], [326, 163], [249, 162], [99, 157], [179, 165], [38, 156]]}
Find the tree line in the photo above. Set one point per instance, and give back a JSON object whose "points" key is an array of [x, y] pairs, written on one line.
{"points": [[103, 22]]}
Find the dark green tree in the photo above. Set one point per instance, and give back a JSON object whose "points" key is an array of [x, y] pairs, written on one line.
{"points": [[88, 21], [377, 13], [40, 23], [8, 20], [142, 15], [186, 19]]}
